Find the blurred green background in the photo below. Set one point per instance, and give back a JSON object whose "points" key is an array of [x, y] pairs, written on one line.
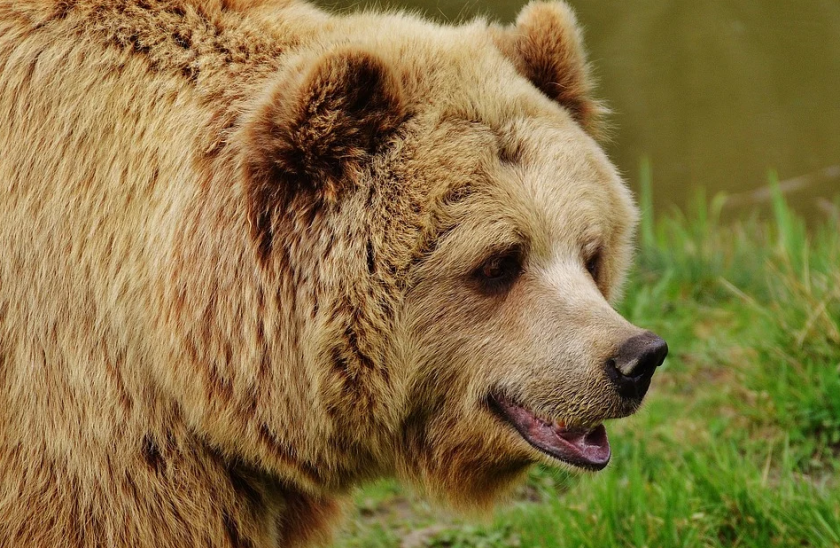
{"points": [[714, 93]]}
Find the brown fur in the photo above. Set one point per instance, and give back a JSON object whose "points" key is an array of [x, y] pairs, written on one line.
{"points": [[238, 238]]}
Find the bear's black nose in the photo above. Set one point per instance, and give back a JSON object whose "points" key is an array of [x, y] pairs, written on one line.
{"points": [[633, 365]]}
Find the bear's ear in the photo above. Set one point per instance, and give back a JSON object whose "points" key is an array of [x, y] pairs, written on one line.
{"points": [[312, 134], [546, 47]]}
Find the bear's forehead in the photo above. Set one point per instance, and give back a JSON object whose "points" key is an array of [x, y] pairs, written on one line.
{"points": [[547, 165], [563, 193], [573, 196], [454, 70], [539, 180]]}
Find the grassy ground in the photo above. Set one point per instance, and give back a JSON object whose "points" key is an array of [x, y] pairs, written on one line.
{"points": [[739, 443]]}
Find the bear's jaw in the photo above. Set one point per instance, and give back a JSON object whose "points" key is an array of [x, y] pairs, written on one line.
{"points": [[586, 448]]}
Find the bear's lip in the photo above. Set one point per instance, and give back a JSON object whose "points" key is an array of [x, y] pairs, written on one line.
{"points": [[583, 447]]}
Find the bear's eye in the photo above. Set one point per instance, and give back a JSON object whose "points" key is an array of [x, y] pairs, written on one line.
{"points": [[498, 273], [593, 265]]}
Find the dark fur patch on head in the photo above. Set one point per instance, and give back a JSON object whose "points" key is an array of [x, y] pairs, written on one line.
{"points": [[371, 257], [233, 533], [151, 453], [182, 39], [176, 10], [310, 140], [244, 485], [63, 9]]}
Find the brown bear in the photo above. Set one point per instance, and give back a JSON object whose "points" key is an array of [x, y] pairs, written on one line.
{"points": [[254, 254]]}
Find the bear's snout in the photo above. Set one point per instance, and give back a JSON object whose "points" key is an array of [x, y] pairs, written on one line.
{"points": [[631, 369]]}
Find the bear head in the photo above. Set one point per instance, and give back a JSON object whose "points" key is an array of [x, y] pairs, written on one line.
{"points": [[448, 236]]}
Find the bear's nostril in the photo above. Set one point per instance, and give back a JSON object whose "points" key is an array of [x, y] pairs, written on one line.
{"points": [[656, 353], [640, 355], [633, 366]]}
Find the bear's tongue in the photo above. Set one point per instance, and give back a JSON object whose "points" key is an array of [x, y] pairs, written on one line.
{"points": [[587, 448]]}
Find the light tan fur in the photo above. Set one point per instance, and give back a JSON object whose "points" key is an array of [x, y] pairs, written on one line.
{"points": [[238, 240]]}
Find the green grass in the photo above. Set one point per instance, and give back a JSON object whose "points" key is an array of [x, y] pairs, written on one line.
{"points": [[739, 442]]}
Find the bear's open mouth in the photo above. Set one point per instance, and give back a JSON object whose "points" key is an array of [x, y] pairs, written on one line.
{"points": [[584, 447]]}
